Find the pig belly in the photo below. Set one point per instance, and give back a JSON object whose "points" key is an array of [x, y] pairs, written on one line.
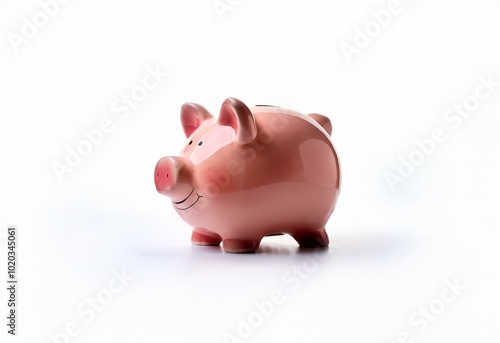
{"points": [[285, 207]]}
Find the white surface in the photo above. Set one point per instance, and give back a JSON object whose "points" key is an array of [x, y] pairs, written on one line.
{"points": [[392, 251]]}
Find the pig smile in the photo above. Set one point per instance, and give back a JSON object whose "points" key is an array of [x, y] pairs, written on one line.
{"points": [[185, 199]]}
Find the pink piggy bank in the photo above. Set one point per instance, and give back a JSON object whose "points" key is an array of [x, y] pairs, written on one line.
{"points": [[250, 173]]}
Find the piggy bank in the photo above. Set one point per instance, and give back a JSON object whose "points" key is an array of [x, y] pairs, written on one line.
{"points": [[250, 173]]}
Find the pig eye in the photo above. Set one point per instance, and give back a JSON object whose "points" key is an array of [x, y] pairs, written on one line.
{"points": [[200, 143], [191, 142]]}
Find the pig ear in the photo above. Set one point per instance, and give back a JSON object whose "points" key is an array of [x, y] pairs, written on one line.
{"points": [[236, 114], [192, 115], [323, 121]]}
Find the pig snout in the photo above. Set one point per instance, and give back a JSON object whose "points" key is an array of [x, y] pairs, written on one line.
{"points": [[174, 178], [166, 174]]}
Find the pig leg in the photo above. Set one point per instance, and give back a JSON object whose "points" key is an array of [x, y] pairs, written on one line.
{"points": [[201, 236], [240, 245], [312, 238]]}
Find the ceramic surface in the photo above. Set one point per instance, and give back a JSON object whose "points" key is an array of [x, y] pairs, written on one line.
{"points": [[250, 173]]}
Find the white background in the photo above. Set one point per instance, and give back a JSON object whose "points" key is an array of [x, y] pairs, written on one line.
{"points": [[392, 250]]}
